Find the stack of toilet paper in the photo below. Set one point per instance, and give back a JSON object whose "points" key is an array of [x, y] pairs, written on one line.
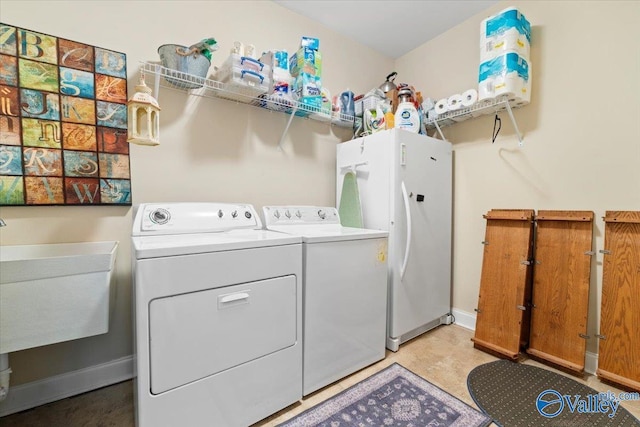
{"points": [[505, 65], [456, 102]]}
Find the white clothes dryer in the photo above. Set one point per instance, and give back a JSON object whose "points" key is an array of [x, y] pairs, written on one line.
{"points": [[344, 292], [217, 303]]}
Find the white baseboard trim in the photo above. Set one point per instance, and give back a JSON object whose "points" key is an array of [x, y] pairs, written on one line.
{"points": [[464, 319], [468, 320], [36, 393]]}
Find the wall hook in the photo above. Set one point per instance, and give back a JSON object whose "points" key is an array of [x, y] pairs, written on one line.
{"points": [[496, 122]]}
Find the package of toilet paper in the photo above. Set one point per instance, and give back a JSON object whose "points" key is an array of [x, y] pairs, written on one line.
{"points": [[504, 20], [509, 41], [507, 31], [508, 74]]}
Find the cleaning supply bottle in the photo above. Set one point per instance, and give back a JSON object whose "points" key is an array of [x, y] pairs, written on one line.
{"points": [[406, 116]]}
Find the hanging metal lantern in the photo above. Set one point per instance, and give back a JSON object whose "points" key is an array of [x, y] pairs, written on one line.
{"points": [[144, 116]]}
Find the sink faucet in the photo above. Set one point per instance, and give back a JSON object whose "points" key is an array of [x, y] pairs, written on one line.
{"points": [[2, 223]]}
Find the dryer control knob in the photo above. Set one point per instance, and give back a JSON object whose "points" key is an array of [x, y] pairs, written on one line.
{"points": [[298, 214], [321, 214], [287, 214], [234, 214], [247, 214], [220, 213], [276, 213], [160, 216]]}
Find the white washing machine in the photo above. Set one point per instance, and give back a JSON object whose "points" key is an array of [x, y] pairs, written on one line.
{"points": [[344, 292], [218, 316]]}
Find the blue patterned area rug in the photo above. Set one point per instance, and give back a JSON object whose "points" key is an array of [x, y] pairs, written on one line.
{"points": [[393, 397]]}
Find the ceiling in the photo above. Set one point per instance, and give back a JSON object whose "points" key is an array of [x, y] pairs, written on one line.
{"points": [[392, 28]]}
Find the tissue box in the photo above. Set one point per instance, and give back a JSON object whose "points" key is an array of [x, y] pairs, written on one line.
{"points": [[306, 60], [507, 74]]}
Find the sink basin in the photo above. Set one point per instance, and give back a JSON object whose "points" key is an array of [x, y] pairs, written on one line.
{"points": [[54, 292]]}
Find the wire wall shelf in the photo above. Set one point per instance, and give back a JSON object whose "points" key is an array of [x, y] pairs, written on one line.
{"points": [[200, 86], [481, 108]]}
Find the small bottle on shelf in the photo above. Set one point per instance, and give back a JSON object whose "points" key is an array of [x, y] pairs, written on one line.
{"points": [[406, 116]]}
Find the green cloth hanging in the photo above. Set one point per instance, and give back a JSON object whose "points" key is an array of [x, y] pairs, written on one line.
{"points": [[350, 210]]}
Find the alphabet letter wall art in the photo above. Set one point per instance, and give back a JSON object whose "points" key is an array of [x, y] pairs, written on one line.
{"points": [[63, 122]]}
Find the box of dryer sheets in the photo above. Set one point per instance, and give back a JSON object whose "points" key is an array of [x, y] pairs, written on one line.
{"points": [[507, 74], [310, 42], [306, 60], [507, 31]]}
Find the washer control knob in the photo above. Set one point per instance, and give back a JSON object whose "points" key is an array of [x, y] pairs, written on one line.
{"points": [[247, 215], [220, 213], [321, 214], [234, 214], [160, 216], [287, 214], [298, 214], [276, 213]]}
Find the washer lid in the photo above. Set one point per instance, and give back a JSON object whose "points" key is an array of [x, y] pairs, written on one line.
{"points": [[329, 233], [197, 243], [314, 224]]}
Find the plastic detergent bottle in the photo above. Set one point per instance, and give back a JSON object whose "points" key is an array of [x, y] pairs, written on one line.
{"points": [[406, 116]]}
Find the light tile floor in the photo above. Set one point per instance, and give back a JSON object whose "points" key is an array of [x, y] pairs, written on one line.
{"points": [[444, 356]]}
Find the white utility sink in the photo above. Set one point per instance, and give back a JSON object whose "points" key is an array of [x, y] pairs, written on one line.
{"points": [[54, 292]]}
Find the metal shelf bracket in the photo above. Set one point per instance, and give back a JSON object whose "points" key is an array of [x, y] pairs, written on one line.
{"points": [[286, 129], [515, 125]]}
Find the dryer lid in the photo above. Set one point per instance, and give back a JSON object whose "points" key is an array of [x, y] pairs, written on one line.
{"points": [[171, 229], [186, 218], [199, 243]]}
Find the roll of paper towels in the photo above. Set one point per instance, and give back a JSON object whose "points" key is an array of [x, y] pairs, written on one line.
{"points": [[442, 106], [454, 102], [469, 98]]}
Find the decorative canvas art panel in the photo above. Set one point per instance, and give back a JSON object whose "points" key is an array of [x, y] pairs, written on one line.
{"points": [[63, 122]]}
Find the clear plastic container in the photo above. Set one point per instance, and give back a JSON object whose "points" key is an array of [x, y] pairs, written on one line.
{"points": [[242, 84], [246, 63]]}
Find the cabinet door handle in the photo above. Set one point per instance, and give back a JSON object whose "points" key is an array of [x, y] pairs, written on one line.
{"points": [[231, 300]]}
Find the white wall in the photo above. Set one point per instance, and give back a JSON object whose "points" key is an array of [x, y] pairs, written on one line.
{"points": [[581, 130], [581, 144], [211, 150]]}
